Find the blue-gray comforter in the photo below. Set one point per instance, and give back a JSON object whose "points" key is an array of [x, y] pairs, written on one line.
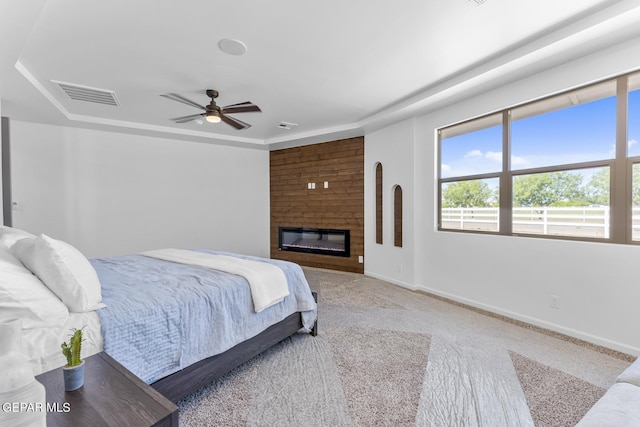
{"points": [[163, 316]]}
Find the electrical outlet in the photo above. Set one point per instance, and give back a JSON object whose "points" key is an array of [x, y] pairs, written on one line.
{"points": [[360, 259], [555, 302]]}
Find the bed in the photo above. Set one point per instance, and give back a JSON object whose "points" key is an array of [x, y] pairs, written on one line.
{"points": [[176, 324]]}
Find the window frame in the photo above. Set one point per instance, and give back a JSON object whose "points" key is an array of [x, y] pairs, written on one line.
{"points": [[620, 167]]}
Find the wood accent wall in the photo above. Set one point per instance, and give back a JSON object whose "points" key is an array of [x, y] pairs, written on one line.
{"points": [[341, 164]]}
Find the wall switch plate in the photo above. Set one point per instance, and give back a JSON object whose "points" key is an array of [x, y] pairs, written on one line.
{"points": [[555, 302], [360, 259]]}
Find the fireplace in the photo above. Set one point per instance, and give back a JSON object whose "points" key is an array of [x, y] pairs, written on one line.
{"points": [[321, 241]]}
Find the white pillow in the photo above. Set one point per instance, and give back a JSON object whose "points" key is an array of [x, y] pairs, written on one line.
{"points": [[8, 262], [24, 296], [63, 269], [8, 236]]}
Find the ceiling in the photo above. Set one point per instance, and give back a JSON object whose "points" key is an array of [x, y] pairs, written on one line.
{"points": [[335, 68]]}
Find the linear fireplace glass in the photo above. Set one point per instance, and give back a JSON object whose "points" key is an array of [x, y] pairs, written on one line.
{"points": [[314, 240]]}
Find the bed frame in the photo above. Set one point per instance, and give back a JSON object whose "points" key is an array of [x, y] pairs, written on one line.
{"points": [[190, 379]]}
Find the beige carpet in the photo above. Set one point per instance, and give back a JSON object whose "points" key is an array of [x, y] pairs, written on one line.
{"points": [[554, 398], [387, 356]]}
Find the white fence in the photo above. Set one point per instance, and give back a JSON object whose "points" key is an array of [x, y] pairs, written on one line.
{"points": [[563, 221]]}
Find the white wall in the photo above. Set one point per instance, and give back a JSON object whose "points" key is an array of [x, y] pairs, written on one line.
{"points": [[598, 284], [111, 193], [392, 148]]}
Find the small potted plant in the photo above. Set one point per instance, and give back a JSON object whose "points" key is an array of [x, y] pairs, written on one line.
{"points": [[73, 371]]}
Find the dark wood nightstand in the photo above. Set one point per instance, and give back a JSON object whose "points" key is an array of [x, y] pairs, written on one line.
{"points": [[111, 396]]}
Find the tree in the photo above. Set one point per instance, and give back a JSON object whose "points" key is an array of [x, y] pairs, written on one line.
{"points": [[599, 187], [468, 194], [635, 186], [549, 189]]}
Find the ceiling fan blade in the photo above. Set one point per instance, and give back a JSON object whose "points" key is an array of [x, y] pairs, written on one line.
{"points": [[186, 119], [243, 107], [180, 98], [238, 124]]}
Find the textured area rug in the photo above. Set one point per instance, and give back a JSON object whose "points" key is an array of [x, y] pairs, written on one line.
{"points": [[388, 356], [380, 372], [554, 398]]}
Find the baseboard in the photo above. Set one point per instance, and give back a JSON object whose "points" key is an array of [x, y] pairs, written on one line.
{"points": [[391, 280], [568, 333]]}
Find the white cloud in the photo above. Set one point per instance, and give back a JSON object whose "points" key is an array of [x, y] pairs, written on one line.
{"points": [[518, 161], [494, 155], [445, 168], [473, 153], [632, 142]]}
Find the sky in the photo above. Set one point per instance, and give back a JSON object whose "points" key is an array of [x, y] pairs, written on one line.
{"points": [[581, 133]]}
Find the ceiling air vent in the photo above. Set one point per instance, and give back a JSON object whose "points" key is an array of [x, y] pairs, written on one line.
{"points": [[88, 94], [287, 125]]}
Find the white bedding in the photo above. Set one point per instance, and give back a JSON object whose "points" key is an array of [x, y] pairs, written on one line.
{"points": [[42, 345], [185, 313], [267, 282], [28, 295], [41, 342]]}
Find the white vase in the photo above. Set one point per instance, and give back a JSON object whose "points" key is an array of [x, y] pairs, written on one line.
{"points": [[23, 399]]}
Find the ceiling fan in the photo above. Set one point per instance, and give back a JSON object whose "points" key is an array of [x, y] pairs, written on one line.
{"points": [[212, 112]]}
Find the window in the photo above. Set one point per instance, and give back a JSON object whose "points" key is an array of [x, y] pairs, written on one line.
{"points": [[470, 166], [397, 216], [633, 150], [566, 203], [470, 205], [472, 148], [633, 102], [547, 168], [572, 128]]}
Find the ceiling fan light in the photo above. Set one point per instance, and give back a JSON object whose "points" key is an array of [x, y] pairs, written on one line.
{"points": [[213, 117]]}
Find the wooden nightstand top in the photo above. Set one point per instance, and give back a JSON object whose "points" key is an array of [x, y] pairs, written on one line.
{"points": [[111, 396]]}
